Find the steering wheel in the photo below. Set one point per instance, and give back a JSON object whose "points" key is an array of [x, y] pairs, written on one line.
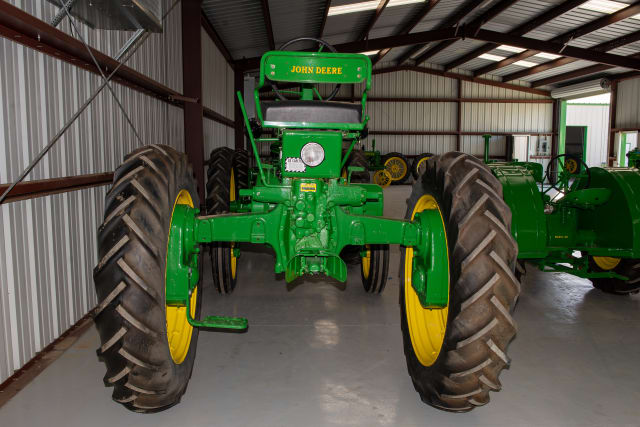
{"points": [[323, 44], [565, 170]]}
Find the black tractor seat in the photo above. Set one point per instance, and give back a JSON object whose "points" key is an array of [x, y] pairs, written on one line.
{"points": [[312, 111]]}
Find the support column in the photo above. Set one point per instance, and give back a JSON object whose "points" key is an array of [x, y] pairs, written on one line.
{"points": [[192, 88], [459, 112], [612, 122], [238, 85]]}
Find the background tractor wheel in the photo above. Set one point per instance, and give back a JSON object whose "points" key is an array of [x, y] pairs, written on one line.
{"points": [[382, 178], [148, 347], [374, 268], [358, 158], [455, 355], [224, 177], [625, 267], [397, 166], [420, 165]]}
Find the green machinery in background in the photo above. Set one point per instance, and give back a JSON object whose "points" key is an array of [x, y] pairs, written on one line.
{"points": [[587, 223], [393, 168], [457, 284], [633, 157]]}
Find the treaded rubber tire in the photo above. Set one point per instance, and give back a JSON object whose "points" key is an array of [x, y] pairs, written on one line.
{"points": [[241, 166], [358, 158], [406, 162], [221, 163], [130, 280], [378, 271], [483, 288], [414, 166], [627, 267]]}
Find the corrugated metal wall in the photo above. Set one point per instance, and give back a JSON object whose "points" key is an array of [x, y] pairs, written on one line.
{"points": [[476, 117], [628, 108], [48, 245], [217, 88], [596, 118]]}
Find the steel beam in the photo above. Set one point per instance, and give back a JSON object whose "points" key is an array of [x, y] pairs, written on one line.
{"points": [[217, 117], [415, 20], [45, 187], [477, 23], [21, 27], [267, 23], [215, 37], [464, 77], [192, 86], [562, 39], [577, 73], [613, 104], [238, 124], [602, 47], [451, 21], [381, 6], [325, 14], [520, 31]]}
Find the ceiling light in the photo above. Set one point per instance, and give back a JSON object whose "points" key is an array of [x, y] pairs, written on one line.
{"points": [[491, 57], [366, 5], [527, 64], [606, 6], [547, 55], [511, 48], [370, 52]]}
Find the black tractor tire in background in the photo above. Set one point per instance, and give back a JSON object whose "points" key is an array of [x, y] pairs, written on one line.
{"points": [[627, 267], [407, 171], [419, 161], [375, 280], [483, 287], [221, 166], [358, 158], [130, 280], [241, 166]]}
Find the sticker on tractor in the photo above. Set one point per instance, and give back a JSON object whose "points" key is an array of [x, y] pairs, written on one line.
{"points": [[294, 164], [308, 187]]}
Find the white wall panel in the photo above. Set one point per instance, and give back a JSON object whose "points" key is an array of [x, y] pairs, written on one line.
{"points": [[48, 245], [596, 118]]}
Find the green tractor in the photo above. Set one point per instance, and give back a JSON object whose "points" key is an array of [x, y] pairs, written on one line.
{"points": [[457, 284], [585, 223], [393, 168]]}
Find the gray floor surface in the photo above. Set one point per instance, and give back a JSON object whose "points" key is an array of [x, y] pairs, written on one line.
{"points": [[319, 353]]}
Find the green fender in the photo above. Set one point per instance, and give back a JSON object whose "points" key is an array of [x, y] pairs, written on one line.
{"points": [[528, 222]]}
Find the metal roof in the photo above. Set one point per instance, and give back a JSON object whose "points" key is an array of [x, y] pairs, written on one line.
{"points": [[241, 26]]}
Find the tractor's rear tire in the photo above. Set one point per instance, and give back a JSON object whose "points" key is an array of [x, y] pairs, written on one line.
{"points": [[397, 166], [130, 281], [225, 168], [358, 158], [374, 268], [625, 267], [482, 287]]}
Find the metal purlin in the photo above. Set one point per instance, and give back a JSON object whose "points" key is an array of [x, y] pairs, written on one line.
{"points": [[128, 49]]}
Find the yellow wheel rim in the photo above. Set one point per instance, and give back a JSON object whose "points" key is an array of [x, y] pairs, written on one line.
{"points": [[179, 331], [420, 163], [382, 178], [396, 167], [232, 198], [366, 263], [571, 166], [427, 327], [606, 262]]}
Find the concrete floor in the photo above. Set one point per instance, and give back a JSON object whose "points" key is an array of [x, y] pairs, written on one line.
{"points": [[320, 353]]}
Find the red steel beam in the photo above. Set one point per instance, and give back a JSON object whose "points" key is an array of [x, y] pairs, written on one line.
{"points": [[520, 31], [381, 6], [217, 117], [450, 75], [450, 22], [21, 27], [564, 38], [453, 133], [45, 187], [576, 73], [415, 20], [602, 47], [477, 23]]}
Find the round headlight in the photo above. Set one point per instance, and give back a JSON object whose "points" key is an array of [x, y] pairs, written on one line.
{"points": [[312, 154]]}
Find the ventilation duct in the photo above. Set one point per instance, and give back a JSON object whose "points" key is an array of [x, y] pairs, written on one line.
{"points": [[579, 90], [123, 15]]}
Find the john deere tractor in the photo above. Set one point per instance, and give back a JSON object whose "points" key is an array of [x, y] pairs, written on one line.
{"points": [[457, 284], [586, 223]]}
